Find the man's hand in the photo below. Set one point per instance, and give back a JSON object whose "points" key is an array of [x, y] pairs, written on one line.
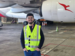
{"points": [[37, 49], [25, 49]]}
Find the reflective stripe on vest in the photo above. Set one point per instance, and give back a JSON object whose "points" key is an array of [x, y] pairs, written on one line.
{"points": [[37, 31], [25, 32], [32, 39], [31, 46]]}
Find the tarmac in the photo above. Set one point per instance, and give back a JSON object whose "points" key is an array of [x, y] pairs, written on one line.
{"points": [[61, 43]]}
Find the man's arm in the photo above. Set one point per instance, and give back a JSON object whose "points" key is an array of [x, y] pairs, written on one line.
{"points": [[22, 39], [42, 39]]}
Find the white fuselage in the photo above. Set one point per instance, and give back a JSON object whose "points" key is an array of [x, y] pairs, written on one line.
{"points": [[59, 10], [52, 10]]}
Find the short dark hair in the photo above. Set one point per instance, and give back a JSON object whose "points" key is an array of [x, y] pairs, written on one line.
{"points": [[30, 14]]}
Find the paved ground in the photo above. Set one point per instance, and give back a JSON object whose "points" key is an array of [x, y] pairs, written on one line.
{"points": [[61, 43]]}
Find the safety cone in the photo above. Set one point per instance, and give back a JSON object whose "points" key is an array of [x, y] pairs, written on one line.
{"points": [[56, 28]]}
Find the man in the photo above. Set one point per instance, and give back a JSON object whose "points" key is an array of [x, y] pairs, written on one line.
{"points": [[32, 37]]}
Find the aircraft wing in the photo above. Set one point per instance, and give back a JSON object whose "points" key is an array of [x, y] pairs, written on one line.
{"points": [[17, 11], [22, 15]]}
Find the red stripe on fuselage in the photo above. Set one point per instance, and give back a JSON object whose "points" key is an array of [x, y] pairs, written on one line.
{"points": [[1, 15]]}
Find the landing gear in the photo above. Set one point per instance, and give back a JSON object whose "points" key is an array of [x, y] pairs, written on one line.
{"points": [[49, 22], [40, 22]]}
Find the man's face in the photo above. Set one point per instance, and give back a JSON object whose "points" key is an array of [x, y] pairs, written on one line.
{"points": [[30, 19]]}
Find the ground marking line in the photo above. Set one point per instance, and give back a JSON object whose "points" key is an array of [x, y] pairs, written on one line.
{"points": [[55, 46]]}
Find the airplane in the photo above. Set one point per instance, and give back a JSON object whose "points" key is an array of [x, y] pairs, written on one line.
{"points": [[51, 10]]}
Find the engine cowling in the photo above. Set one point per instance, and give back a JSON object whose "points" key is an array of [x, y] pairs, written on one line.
{"points": [[59, 10]]}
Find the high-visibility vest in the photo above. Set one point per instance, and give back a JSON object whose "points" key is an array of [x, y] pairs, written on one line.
{"points": [[32, 39]]}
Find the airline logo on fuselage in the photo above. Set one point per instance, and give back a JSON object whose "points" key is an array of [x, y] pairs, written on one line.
{"points": [[65, 6]]}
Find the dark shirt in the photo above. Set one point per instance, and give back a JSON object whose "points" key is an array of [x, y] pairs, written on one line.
{"points": [[41, 41]]}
